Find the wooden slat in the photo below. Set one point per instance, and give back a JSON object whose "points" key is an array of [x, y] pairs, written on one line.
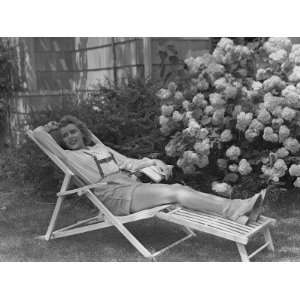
{"points": [[202, 227], [260, 227], [206, 222], [211, 222], [221, 221], [216, 225]]}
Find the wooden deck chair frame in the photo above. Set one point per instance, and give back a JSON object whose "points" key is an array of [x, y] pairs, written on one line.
{"points": [[190, 221], [105, 217]]}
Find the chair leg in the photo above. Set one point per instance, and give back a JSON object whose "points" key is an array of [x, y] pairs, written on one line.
{"points": [[59, 202], [268, 239], [53, 218], [243, 252]]}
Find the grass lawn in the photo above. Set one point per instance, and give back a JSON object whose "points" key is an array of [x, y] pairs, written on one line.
{"points": [[25, 215]]}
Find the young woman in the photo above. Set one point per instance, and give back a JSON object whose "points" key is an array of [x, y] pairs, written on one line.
{"points": [[124, 194]]}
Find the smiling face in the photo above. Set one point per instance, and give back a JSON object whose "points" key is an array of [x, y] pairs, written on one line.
{"points": [[72, 137]]}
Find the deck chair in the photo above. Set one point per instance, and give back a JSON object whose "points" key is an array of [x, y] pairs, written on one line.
{"points": [[190, 221]]}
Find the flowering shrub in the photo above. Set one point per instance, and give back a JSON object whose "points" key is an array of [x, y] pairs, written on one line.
{"points": [[236, 114]]}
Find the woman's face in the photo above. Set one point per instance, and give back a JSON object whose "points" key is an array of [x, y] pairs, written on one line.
{"points": [[72, 137]]}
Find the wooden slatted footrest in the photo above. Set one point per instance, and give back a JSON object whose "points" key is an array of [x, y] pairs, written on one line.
{"points": [[224, 228]]}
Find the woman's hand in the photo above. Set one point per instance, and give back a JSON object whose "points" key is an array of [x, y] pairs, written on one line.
{"points": [[52, 125], [127, 165]]}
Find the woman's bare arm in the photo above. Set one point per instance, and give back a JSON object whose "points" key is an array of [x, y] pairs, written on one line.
{"points": [[42, 135]]}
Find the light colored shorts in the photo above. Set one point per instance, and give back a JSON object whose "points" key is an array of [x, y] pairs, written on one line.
{"points": [[118, 193]]}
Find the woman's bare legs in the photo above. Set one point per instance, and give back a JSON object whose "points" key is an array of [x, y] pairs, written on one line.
{"points": [[151, 195]]}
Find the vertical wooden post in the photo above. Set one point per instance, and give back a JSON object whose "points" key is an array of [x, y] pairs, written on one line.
{"points": [[268, 239], [243, 252], [147, 58], [115, 74]]}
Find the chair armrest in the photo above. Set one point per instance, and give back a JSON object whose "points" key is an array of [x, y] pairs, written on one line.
{"points": [[80, 191]]}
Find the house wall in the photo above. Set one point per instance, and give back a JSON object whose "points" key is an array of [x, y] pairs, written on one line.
{"points": [[52, 67], [78, 62]]}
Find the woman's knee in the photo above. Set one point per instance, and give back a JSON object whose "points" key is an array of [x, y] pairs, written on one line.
{"points": [[179, 192]]}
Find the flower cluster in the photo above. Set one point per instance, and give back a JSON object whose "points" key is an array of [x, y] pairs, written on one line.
{"points": [[226, 104]]}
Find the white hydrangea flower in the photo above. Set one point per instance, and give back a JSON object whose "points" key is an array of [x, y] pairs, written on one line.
{"points": [[256, 126], [199, 100], [209, 110], [282, 153], [215, 71], [188, 115], [280, 167], [226, 136], [276, 123], [276, 43], [288, 114], [202, 85], [262, 74], [222, 188], [220, 84], [202, 147], [163, 120], [190, 156], [277, 112], [193, 127], [186, 105], [283, 133], [226, 44], [167, 110], [233, 168], [274, 82], [256, 85], [233, 152], [297, 182], [291, 95], [196, 64], [295, 76], [292, 145], [216, 100], [243, 120], [279, 56], [164, 94], [264, 116], [202, 161], [230, 92], [218, 117], [244, 167], [177, 116], [202, 134], [242, 51], [179, 96], [251, 134], [295, 48], [271, 102], [269, 135], [294, 56], [294, 170]]}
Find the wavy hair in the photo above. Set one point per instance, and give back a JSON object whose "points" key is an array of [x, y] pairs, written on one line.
{"points": [[66, 120]]}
